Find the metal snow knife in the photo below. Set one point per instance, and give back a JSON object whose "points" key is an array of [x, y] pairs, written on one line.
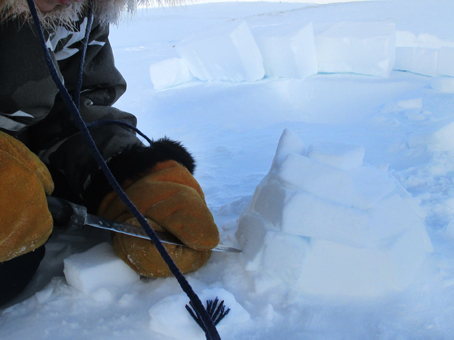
{"points": [[75, 217]]}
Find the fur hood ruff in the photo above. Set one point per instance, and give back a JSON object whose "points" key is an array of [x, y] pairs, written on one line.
{"points": [[108, 11]]}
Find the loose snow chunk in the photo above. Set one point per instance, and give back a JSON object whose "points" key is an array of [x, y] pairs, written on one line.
{"points": [[445, 64], [365, 48], [340, 155], [97, 268], [288, 51], [409, 104], [443, 84], [436, 138], [228, 52], [170, 72], [417, 60], [169, 316]]}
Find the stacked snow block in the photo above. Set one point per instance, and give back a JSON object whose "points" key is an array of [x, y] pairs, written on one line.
{"points": [[417, 60], [287, 51], [227, 52], [424, 54], [170, 72], [355, 47], [445, 64], [326, 224]]}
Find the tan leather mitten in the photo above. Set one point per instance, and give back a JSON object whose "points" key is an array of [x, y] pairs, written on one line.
{"points": [[172, 201], [25, 220]]}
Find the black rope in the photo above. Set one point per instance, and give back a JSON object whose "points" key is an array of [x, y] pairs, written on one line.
{"points": [[102, 122], [206, 322]]}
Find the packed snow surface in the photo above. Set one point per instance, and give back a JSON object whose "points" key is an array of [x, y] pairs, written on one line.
{"points": [[330, 164]]}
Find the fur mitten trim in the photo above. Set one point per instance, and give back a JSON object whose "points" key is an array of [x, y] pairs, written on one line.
{"points": [[133, 163]]}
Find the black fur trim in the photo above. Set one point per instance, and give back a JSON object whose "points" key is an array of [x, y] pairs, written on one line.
{"points": [[132, 163]]}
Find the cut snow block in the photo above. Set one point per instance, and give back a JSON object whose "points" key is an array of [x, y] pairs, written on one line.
{"points": [[283, 256], [340, 155], [252, 229], [289, 142], [435, 138], [445, 64], [170, 72], [288, 51], [450, 229], [97, 268], [333, 269], [225, 52], [417, 60], [370, 185], [301, 173], [306, 215], [443, 84], [170, 318], [355, 47]]}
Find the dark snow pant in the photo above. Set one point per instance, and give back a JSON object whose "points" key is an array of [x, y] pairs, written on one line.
{"points": [[17, 273]]}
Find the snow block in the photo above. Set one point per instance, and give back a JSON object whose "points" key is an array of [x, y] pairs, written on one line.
{"points": [[307, 215], [354, 47], [340, 155], [251, 233], [98, 268], [445, 64], [450, 229], [329, 231], [370, 271], [288, 143], [170, 318], [288, 51], [417, 60], [360, 187], [170, 72], [443, 84], [227, 52], [435, 138], [319, 179]]}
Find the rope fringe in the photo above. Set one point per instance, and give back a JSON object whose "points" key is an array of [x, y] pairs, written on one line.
{"points": [[215, 311]]}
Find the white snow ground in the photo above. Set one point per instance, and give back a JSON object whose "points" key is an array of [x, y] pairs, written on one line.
{"points": [[404, 122]]}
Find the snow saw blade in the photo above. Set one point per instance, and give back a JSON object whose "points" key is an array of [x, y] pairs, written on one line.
{"points": [[75, 216]]}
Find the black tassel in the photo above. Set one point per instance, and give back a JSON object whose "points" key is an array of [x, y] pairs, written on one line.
{"points": [[216, 312]]}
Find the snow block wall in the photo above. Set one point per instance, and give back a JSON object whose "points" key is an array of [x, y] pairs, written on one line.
{"points": [[324, 223], [235, 52]]}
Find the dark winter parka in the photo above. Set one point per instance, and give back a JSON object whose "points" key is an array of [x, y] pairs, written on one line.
{"points": [[31, 108]]}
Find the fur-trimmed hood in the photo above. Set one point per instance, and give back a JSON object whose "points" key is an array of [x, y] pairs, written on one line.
{"points": [[106, 10]]}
